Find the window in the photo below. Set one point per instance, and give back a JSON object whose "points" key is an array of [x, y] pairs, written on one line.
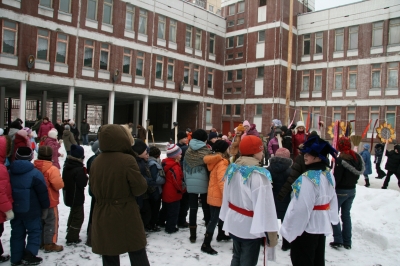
{"points": [[170, 73], [240, 40], [393, 75], [394, 31], [230, 42], [228, 109], [62, 48], [306, 44], [377, 33], [339, 39], [198, 40], [231, 23], [338, 78], [201, 3], [319, 42], [391, 115], [240, 21], [65, 6], [306, 80], [143, 21], [107, 11], [318, 80], [315, 118], [172, 30], [104, 56], [239, 74], [196, 75], [261, 36], [337, 113], [241, 7], [159, 67], [210, 75], [126, 67], [186, 73], [231, 10], [229, 56], [188, 39], [218, 12], [376, 75], [239, 55], [228, 90], [373, 115], [130, 17], [352, 78], [43, 44], [212, 43], [350, 113], [140, 64], [237, 109], [260, 72], [259, 109], [89, 50], [263, 3], [211, 8], [208, 113], [161, 27], [304, 111], [9, 45], [229, 75], [46, 3], [353, 38], [238, 90], [91, 12]]}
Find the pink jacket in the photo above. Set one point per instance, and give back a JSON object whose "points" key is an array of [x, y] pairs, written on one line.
{"points": [[5, 187], [44, 129], [53, 143]]}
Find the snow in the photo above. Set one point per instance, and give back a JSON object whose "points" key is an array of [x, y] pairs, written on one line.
{"points": [[376, 241]]}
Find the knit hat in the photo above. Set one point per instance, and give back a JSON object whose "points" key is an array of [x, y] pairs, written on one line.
{"points": [[299, 124], [53, 133], [95, 147], [67, 127], [139, 147], [77, 151], [277, 122], [282, 152], [246, 123], [45, 153], [24, 153], [344, 146], [250, 145], [240, 128], [173, 151], [1, 131], [366, 146], [181, 135], [220, 146], [200, 134], [318, 148], [22, 133], [212, 135]]}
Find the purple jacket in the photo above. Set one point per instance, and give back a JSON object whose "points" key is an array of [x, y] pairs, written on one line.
{"points": [[53, 143], [273, 145]]}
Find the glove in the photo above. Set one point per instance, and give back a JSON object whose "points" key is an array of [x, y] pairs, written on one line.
{"points": [[44, 213], [273, 239], [9, 215]]}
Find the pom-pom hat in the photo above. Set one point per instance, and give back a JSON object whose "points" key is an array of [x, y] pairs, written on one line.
{"points": [[250, 145], [173, 151], [282, 152]]}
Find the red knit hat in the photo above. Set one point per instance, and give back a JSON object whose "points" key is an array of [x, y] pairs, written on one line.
{"points": [[250, 145], [344, 146], [282, 152]]}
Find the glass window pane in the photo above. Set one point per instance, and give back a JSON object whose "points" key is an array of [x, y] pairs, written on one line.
{"points": [[318, 83], [159, 70], [339, 42], [237, 109], [170, 72], [394, 32], [172, 30], [239, 74], [261, 36], [240, 40], [196, 78], [211, 46], [126, 67], [161, 30], [139, 67], [186, 75], [228, 109], [43, 32], [107, 14], [391, 118], [143, 22], [259, 109], [10, 24], [229, 75], [338, 81], [393, 78], [65, 6], [88, 59], [209, 80], [260, 72], [45, 3], [42, 49], [91, 11], [8, 42], [208, 116], [376, 79], [306, 83], [61, 52], [104, 60], [377, 34], [188, 39], [352, 81], [129, 21], [230, 42], [306, 44]]}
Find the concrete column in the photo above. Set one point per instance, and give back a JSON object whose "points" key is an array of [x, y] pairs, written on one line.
{"points": [[174, 117], [43, 107], [145, 110], [54, 116], [71, 93], [22, 100], [79, 112], [2, 106], [111, 101], [136, 106]]}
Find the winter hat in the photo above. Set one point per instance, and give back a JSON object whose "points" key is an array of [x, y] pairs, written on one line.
{"points": [[95, 147], [45, 153], [344, 147], [379, 146], [250, 145], [139, 147], [77, 151], [181, 135], [28, 130], [1, 132], [212, 135], [299, 124], [200, 134], [318, 148], [366, 146], [22, 133], [220, 146], [285, 130], [240, 128], [225, 137], [71, 122], [24, 153], [173, 151], [53, 133], [246, 123], [277, 122], [282, 152], [67, 127]]}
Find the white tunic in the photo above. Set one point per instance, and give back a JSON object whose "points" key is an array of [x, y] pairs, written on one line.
{"points": [[300, 215]]}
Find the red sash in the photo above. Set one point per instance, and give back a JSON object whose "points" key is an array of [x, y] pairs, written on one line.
{"points": [[240, 210], [324, 207]]}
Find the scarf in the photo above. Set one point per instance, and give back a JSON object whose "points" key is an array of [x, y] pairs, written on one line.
{"points": [[194, 158]]}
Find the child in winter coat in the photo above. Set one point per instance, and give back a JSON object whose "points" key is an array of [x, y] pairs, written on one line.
{"points": [[20, 140], [53, 143], [30, 195], [173, 187], [75, 181], [68, 139], [54, 183], [378, 159], [273, 144], [392, 165], [366, 156], [298, 137]]}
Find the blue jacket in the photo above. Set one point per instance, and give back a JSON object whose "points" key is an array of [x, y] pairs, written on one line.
{"points": [[157, 174], [29, 190], [367, 160]]}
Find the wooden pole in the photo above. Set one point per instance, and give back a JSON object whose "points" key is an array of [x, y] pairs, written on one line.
{"points": [[289, 66]]}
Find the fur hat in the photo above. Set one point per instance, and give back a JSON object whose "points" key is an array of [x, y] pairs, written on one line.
{"points": [[318, 148], [67, 127], [24, 153], [366, 146], [240, 127], [1, 131], [246, 123], [53, 133], [282, 152], [139, 147], [250, 145], [220, 146], [212, 135], [200, 134], [45, 153], [299, 124], [95, 147], [181, 135], [173, 151], [77, 151]]}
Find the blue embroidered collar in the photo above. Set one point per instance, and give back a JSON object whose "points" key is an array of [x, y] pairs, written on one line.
{"points": [[314, 176], [245, 171]]}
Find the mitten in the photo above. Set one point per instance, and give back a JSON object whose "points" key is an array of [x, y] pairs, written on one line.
{"points": [[9, 215], [272, 239]]}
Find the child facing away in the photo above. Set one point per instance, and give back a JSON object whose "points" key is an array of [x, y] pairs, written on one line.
{"points": [[53, 143], [392, 165], [366, 156]]}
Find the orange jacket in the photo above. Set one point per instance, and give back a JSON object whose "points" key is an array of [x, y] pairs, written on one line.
{"points": [[217, 167], [53, 179]]}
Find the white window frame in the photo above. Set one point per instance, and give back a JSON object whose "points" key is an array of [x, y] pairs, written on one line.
{"points": [[305, 76], [338, 72], [128, 56], [212, 43], [350, 113], [229, 41], [143, 18], [353, 33], [339, 36], [45, 4], [172, 33], [159, 62], [374, 69], [336, 113], [353, 70], [14, 30], [69, 6], [188, 34], [374, 112], [104, 48], [231, 23], [88, 44], [238, 38], [95, 11], [171, 64], [196, 73], [261, 36], [391, 110], [208, 113], [198, 39], [231, 10], [394, 30], [130, 10], [237, 74], [319, 39], [317, 74], [161, 25], [186, 69], [306, 38], [65, 42], [140, 57], [241, 7], [377, 29], [240, 21], [108, 3], [44, 37], [393, 67], [210, 75]]}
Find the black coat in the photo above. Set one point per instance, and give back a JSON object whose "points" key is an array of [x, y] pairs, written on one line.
{"points": [[378, 153], [296, 170], [75, 181], [393, 160], [347, 171]]}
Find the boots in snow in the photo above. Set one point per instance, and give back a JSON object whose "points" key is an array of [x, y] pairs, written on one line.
{"points": [[53, 247], [367, 184], [221, 234], [285, 244], [193, 231], [30, 259], [206, 247]]}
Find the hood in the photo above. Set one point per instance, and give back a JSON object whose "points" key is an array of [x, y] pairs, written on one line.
{"points": [[42, 165], [72, 162], [12, 132], [355, 167], [66, 133], [113, 138], [168, 163], [279, 164], [5, 147], [196, 144], [213, 160], [20, 167]]}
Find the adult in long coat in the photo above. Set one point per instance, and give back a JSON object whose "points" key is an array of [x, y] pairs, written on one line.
{"points": [[115, 180]]}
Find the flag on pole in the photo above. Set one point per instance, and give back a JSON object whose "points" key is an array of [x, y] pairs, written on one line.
{"points": [[366, 129], [309, 117], [301, 115], [372, 137], [291, 123]]}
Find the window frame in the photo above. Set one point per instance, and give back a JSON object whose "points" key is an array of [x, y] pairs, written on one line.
{"points": [[108, 4], [159, 62], [230, 40], [336, 110], [353, 33], [186, 68], [172, 34], [210, 73], [48, 43], [189, 33], [107, 49], [259, 34], [257, 113], [231, 10], [198, 38], [4, 27], [209, 111], [338, 72], [237, 75], [95, 10], [239, 55], [127, 54], [162, 21], [228, 90], [316, 111], [262, 3], [130, 9], [229, 75], [306, 39], [260, 72], [394, 111], [352, 72], [373, 115], [350, 110], [393, 26], [317, 73], [51, 4], [238, 38], [374, 69], [305, 75], [66, 47], [231, 23], [170, 64], [142, 57], [319, 37], [89, 46], [240, 21], [212, 43], [393, 66], [69, 6], [241, 4], [339, 33], [143, 15], [211, 8], [377, 26], [237, 109], [196, 72], [226, 108]]}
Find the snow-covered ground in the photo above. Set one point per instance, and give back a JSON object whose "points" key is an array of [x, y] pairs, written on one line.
{"points": [[376, 241]]}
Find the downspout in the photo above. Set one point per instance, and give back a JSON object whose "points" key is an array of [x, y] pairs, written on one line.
{"points": [[327, 74], [247, 56]]}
